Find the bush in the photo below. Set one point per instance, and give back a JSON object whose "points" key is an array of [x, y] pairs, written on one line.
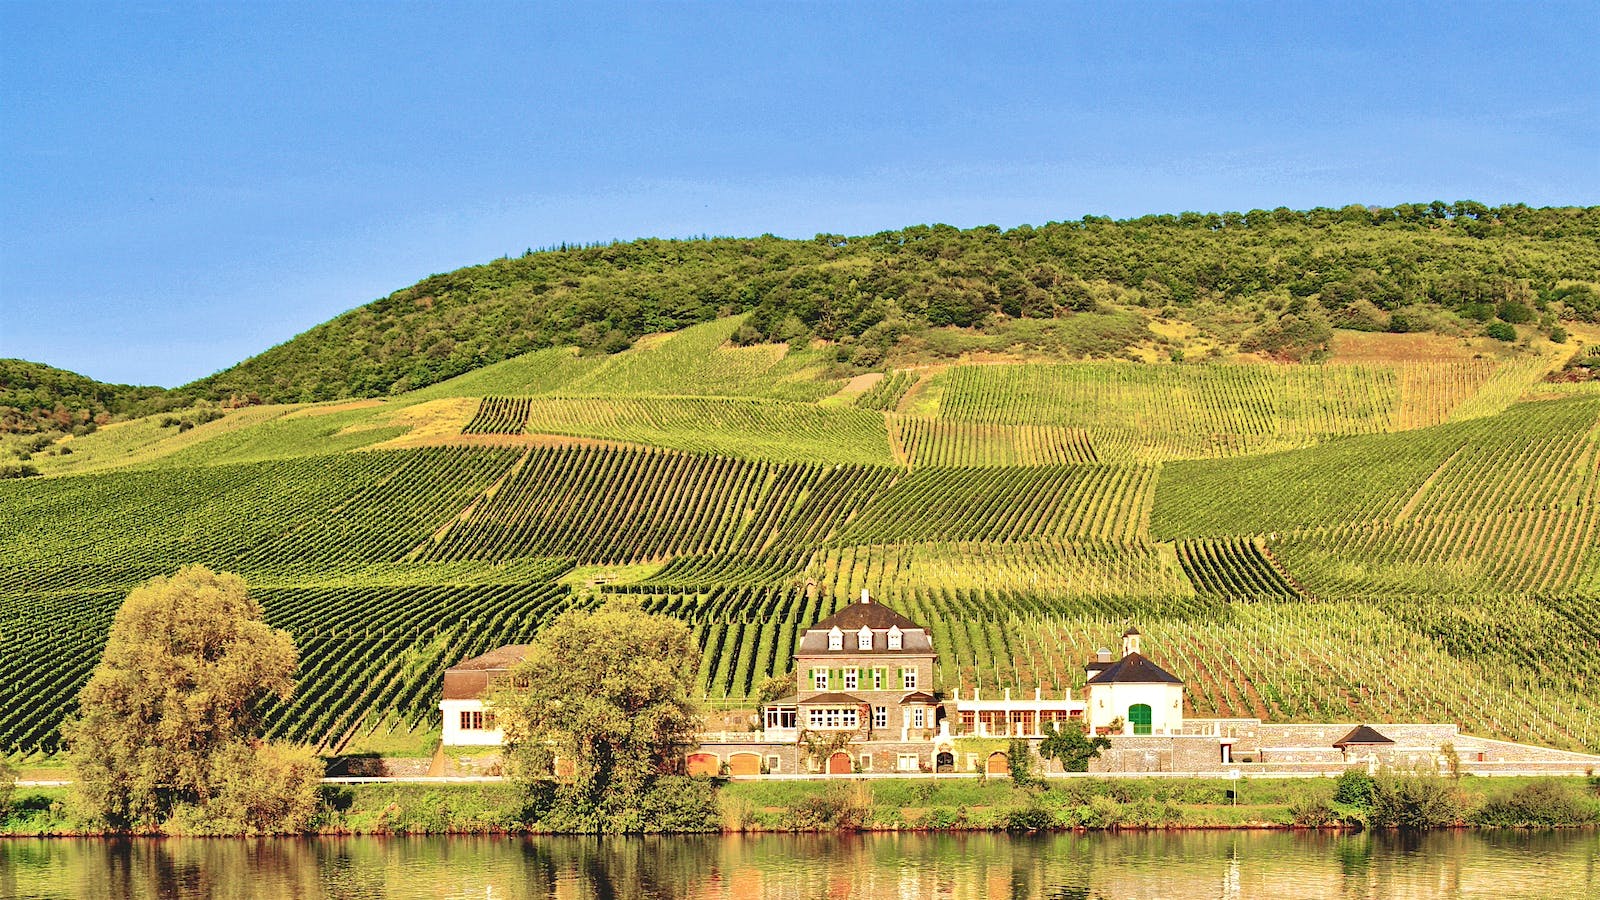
{"points": [[1558, 334], [17, 470], [1545, 802], [8, 786], [677, 803], [1032, 817], [264, 789], [841, 807], [1500, 331], [1312, 807], [1354, 787], [943, 817], [1414, 800]]}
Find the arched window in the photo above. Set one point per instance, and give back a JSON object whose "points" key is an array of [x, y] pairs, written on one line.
{"points": [[864, 638], [895, 638], [1139, 715], [835, 639]]}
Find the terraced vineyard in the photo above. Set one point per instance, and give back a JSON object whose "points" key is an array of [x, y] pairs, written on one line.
{"points": [[1413, 540]]}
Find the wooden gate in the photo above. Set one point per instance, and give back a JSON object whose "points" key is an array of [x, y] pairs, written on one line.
{"points": [[839, 763], [744, 764], [704, 764]]}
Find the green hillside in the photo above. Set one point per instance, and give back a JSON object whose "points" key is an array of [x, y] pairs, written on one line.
{"points": [[1408, 529], [1268, 281]]}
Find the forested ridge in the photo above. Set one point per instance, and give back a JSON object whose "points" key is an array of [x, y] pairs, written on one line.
{"points": [[39, 398], [1266, 280]]}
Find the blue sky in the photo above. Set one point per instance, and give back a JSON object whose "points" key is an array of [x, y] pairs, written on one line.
{"points": [[182, 186]]}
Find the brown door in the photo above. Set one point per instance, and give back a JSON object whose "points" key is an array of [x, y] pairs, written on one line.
{"points": [[999, 764], [839, 763], [704, 764], [744, 764]]}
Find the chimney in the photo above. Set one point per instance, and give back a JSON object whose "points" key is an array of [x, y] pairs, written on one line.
{"points": [[864, 597], [1103, 655], [1130, 641]]}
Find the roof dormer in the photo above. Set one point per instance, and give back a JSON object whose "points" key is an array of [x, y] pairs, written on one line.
{"points": [[895, 638], [864, 638], [835, 639]]}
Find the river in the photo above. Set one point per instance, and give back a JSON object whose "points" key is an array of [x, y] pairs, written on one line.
{"points": [[1212, 864]]}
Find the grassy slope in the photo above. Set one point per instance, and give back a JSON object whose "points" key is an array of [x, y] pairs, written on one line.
{"points": [[1412, 480]]}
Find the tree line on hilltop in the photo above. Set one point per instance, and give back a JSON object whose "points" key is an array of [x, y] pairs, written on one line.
{"points": [[1268, 280]]}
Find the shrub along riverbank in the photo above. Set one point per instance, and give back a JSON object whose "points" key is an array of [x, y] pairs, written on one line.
{"points": [[1404, 800]]}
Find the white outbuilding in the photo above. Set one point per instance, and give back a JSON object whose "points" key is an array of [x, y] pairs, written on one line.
{"points": [[1146, 698]]}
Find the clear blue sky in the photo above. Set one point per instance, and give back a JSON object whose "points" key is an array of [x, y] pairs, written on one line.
{"points": [[184, 186]]}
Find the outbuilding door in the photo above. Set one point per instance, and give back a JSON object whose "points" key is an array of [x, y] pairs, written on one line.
{"points": [[998, 764], [839, 763], [1139, 715]]}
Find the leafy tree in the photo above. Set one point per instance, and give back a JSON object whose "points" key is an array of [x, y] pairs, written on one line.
{"points": [[606, 692], [1500, 331], [1020, 759], [1072, 746], [168, 723]]}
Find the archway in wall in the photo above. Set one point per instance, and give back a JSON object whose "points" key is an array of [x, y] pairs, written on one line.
{"points": [[744, 764], [839, 763], [1139, 717], [944, 762], [704, 764], [998, 764]]}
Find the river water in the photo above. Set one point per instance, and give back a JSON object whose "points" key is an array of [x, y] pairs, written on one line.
{"points": [[1214, 864]]}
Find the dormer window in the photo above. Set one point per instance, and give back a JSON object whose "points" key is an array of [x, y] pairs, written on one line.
{"points": [[864, 638], [894, 638], [835, 639]]}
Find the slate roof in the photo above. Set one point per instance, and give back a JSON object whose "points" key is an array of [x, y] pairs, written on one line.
{"points": [[1362, 734], [499, 658], [917, 697], [914, 638], [469, 679], [1135, 668], [832, 698], [872, 615]]}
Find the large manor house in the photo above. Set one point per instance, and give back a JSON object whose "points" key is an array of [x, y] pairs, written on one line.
{"points": [[864, 701]]}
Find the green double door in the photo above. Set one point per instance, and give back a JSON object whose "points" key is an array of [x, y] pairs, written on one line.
{"points": [[1139, 715]]}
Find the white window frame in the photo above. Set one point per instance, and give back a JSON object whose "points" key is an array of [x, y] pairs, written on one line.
{"points": [[919, 717], [833, 718], [908, 678], [877, 679], [908, 762], [895, 638], [864, 638], [880, 717], [852, 679], [835, 639], [866, 762], [774, 763], [819, 679]]}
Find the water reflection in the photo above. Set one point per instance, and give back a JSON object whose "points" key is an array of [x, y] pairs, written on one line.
{"points": [[1273, 865]]}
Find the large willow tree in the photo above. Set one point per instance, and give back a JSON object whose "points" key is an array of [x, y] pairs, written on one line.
{"points": [[168, 732]]}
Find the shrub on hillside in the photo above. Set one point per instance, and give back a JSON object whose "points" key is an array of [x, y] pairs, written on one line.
{"points": [[1500, 331]]}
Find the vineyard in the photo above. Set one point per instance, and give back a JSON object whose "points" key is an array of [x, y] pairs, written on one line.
{"points": [[1408, 540]]}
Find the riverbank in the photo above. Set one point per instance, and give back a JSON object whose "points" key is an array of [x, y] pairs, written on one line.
{"points": [[995, 804]]}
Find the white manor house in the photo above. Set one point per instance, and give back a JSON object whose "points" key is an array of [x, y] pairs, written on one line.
{"points": [[864, 701]]}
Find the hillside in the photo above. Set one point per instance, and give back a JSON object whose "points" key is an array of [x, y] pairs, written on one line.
{"points": [[1407, 530], [1272, 282]]}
